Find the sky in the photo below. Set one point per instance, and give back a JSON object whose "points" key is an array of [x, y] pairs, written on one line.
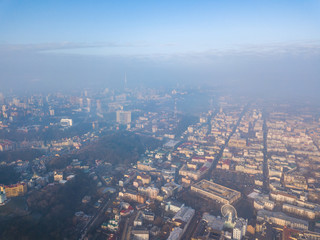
{"points": [[255, 44]]}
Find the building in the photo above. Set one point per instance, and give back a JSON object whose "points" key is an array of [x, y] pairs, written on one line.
{"points": [[216, 192], [123, 117], [51, 112], [289, 234], [86, 199], [237, 143], [300, 211], [6, 145], [145, 179], [16, 190], [173, 206], [240, 228], [145, 167], [140, 234], [170, 188], [181, 220], [3, 196], [151, 192], [132, 196], [58, 176], [280, 196], [138, 221], [213, 227], [113, 225], [185, 214], [190, 169], [148, 215], [176, 234], [66, 122], [295, 181], [281, 219]]}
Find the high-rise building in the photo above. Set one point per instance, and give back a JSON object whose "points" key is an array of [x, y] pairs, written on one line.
{"points": [[51, 112], [81, 102], [123, 117], [88, 104], [99, 109]]}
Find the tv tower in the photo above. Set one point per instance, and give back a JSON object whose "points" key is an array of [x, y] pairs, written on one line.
{"points": [[125, 81], [175, 108]]}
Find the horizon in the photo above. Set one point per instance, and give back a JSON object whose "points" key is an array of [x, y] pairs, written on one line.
{"points": [[252, 47]]}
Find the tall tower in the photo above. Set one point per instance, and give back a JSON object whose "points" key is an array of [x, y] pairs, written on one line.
{"points": [[125, 81], [211, 104], [175, 108]]}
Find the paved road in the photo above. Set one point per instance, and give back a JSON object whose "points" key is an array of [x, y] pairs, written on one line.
{"points": [[192, 226], [125, 229], [128, 226], [96, 217], [265, 154], [217, 158]]}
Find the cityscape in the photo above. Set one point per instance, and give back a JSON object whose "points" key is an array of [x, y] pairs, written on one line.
{"points": [[160, 120], [138, 167]]}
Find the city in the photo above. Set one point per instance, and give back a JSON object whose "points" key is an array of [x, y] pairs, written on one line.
{"points": [[242, 169], [160, 120]]}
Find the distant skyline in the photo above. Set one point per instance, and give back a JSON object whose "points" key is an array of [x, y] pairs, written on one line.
{"points": [[53, 42]]}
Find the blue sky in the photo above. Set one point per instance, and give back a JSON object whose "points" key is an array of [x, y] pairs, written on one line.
{"points": [[138, 36], [159, 26]]}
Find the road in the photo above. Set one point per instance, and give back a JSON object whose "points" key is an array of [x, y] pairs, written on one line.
{"points": [[217, 158], [125, 229], [265, 155], [128, 226], [192, 226], [96, 217]]}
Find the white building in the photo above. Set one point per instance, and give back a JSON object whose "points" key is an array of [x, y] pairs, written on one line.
{"points": [[240, 228], [140, 234], [175, 234], [66, 122], [123, 117], [3, 196], [184, 214]]}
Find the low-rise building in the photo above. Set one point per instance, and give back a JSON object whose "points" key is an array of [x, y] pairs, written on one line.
{"points": [[281, 219], [16, 190], [216, 192], [300, 211], [58, 176], [132, 196]]}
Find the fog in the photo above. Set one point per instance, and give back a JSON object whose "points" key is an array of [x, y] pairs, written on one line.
{"points": [[262, 71]]}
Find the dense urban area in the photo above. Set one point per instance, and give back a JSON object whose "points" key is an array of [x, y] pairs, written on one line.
{"points": [[158, 164]]}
